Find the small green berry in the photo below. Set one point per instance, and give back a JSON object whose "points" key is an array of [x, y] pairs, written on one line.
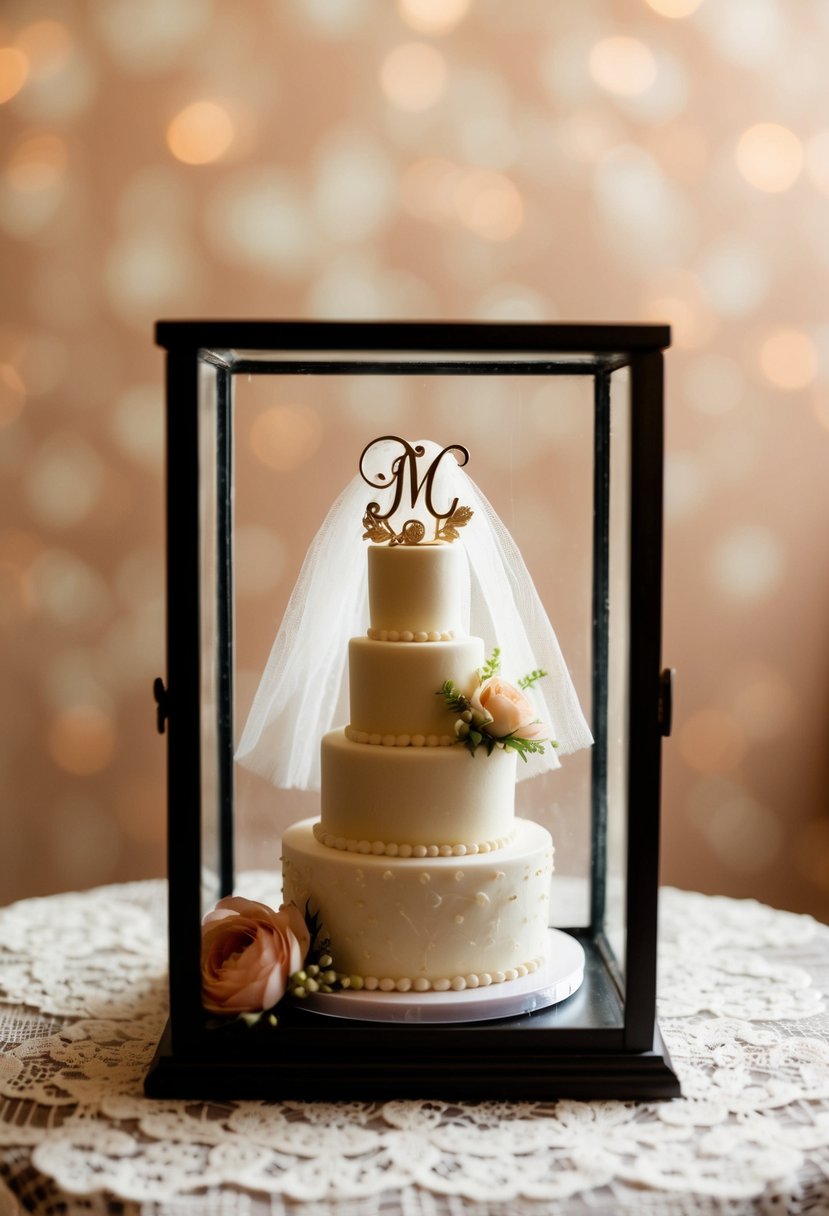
{"points": [[326, 960], [311, 985], [313, 969], [356, 982]]}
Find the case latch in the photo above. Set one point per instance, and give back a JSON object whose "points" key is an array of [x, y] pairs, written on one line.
{"points": [[162, 702]]}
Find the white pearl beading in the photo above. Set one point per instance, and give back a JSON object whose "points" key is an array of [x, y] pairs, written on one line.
{"points": [[408, 635], [380, 848], [378, 740], [455, 983]]}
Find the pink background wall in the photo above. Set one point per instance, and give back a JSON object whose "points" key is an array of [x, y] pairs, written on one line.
{"points": [[618, 160]]}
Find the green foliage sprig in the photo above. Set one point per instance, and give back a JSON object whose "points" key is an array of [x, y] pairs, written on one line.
{"points": [[492, 665], [471, 725], [528, 681]]}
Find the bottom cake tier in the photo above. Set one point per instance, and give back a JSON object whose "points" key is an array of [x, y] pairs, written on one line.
{"points": [[432, 922]]}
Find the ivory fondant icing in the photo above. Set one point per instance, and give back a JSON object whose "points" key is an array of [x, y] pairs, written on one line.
{"points": [[392, 688], [417, 588], [431, 918], [439, 795]]}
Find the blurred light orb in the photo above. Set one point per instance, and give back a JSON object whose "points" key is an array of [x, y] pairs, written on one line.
{"points": [[484, 201], [584, 136], [63, 480], [61, 81], [69, 679], [433, 16], [47, 44], [201, 133], [414, 76], [665, 99], [355, 186], [153, 42], [674, 9], [14, 70], [746, 32], [428, 187], [735, 277], [769, 157], [260, 218], [68, 590], [713, 383], [136, 421], [746, 563], [37, 163], [32, 187], [148, 269], [646, 220], [789, 359], [334, 18], [480, 110], [710, 741], [81, 740], [742, 831], [763, 701], [622, 65], [283, 437], [489, 205], [686, 485]]}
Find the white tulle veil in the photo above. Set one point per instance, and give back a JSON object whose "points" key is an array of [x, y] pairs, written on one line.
{"points": [[303, 690]]}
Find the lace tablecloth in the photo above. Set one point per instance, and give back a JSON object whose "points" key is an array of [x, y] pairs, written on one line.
{"points": [[742, 1007]]}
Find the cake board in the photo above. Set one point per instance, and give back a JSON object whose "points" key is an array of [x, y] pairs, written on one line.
{"points": [[559, 977]]}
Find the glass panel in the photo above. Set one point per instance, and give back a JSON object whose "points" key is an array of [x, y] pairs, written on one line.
{"points": [[297, 443], [618, 662], [209, 642]]}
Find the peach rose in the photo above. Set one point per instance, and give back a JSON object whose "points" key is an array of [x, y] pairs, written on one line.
{"points": [[248, 951], [506, 711]]}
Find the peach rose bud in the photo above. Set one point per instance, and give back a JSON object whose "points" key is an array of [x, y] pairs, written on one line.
{"points": [[248, 953]]}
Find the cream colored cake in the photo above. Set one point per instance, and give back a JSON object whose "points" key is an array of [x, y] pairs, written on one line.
{"points": [[421, 874]]}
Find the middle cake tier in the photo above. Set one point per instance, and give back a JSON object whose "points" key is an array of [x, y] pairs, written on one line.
{"points": [[412, 795], [393, 686]]}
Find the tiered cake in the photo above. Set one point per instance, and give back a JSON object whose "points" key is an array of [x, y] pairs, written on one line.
{"points": [[421, 874]]}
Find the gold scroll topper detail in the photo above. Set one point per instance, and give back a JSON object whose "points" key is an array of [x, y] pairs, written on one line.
{"points": [[377, 525]]}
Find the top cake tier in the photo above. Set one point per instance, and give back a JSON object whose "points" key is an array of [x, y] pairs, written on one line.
{"points": [[417, 589]]}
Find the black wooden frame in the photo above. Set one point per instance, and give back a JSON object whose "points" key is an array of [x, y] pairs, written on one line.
{"points": [[601, 1042]]}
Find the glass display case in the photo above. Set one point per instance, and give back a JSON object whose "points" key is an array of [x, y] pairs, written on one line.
{"points": [[266, 422]]}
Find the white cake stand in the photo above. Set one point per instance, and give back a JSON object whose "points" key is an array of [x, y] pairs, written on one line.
{"points": [[559, 977]]}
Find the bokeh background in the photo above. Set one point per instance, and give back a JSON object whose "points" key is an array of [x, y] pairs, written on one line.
{"points": [[486, 159]]}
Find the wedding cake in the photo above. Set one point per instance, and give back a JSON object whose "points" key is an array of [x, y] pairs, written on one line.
{"points": [[418, 869]]}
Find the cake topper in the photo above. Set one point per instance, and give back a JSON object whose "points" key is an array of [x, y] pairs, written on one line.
{"points": [[304, 691], [377, 525]]}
